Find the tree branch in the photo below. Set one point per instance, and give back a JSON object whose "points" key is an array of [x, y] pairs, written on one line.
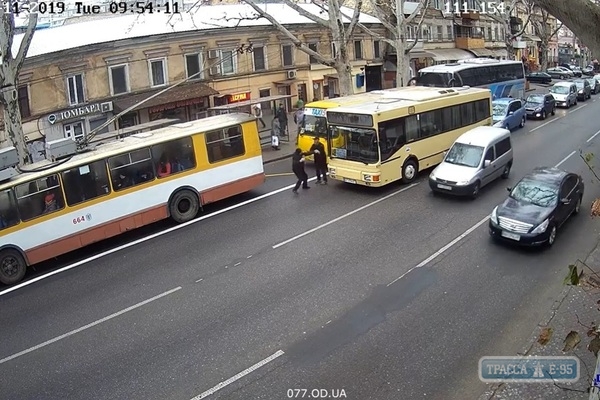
{"points": [[381, 16], [301, 11], [412, 15], [423, 6], [372, 33], [26, 41], [354, 19], [297, 42]]}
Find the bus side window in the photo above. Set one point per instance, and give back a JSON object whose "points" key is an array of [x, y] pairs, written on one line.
{"points": [[173, 157], [130, 169], [86, 182], [391, 137], [39, 197], [9, 215], [411, 128]]}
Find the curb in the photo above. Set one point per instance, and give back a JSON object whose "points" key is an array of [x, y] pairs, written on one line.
{"points": [[277, 159]]}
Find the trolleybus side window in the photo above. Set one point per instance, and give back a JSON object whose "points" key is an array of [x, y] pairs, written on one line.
{"points": [[39, 197], [224, 143], [173, 157], [86, 182], [130, 169], [9, 216]]}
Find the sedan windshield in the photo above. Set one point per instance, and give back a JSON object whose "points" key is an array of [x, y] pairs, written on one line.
{"points": [[579, 84], [559, 90], [535, 192], [357, 144], [499, 109], [464, 154], [535, 99]]}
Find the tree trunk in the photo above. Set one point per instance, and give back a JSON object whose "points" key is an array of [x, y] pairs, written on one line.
{"points": [[12, 123], [346, 85], [543, 55], [402, 68]]}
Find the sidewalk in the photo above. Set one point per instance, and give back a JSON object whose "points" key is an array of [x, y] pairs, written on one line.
{"points": [[576, 306]]}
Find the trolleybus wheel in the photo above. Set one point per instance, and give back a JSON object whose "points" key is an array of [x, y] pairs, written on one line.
{"points": [[184, 206], [12, 266]]}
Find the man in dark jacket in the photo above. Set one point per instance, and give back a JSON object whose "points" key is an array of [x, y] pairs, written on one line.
{"points": [[318, 151], [281, 115], [298, 169]]}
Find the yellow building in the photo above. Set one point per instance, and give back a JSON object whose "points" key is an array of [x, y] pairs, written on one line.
{"points": [[78, 76]]}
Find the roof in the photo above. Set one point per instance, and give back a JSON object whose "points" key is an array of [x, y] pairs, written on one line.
{"points": [[129, 143], [178, 93], [549, 175], [482, 135], [564, 83], [409, 96], [346, 100], [71, 36], [464, 64], [504, 100]]}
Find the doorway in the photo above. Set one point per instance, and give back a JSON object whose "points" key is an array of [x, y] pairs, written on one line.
{"points": [[373, 78], [286, 90]]}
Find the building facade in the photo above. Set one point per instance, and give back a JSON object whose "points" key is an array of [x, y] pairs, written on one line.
{"points": [[73, 80]]}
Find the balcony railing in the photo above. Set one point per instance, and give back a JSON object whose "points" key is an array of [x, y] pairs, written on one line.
{"points": [[470, 35]]}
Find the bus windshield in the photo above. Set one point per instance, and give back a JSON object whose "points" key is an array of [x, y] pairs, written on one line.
{"points": [[314, 126], [436, 79], [357, 144]]}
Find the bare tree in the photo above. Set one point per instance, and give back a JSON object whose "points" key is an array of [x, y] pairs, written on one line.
{"points": [[503, 16], [582, 17], [540, 21], [393, 16], [340, 30], [10, 66]]}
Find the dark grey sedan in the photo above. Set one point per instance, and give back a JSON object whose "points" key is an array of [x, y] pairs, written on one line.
{"points": [[594, 84]]}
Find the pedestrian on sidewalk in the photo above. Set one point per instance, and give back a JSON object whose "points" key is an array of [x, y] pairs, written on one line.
{"points": [[299, 121], [259, 114], [281, 115], [275, 133], [298, 169], [318, 152]]}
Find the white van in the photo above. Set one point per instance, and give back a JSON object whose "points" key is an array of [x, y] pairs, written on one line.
{"points": [[477, 158], [565, 94]]}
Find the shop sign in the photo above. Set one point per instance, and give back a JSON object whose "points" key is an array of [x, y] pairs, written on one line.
{"points": [[234, 98], [174, 105], [80, 112]]}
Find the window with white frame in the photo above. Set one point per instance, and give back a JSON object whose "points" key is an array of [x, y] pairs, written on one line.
{"points": [[75, 89], [119, 79], [440, 33], [158, 72], [287, 52], [193, 66], [449, 29], [259, 58], [74, 130], [358, 53], [496, 35], [410, 32], [228, 62]]}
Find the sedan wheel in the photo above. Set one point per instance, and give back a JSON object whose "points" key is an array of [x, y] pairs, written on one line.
{"points": [[577, 206], [543, 114], [553, 110], [522, 124], [552, 236]]}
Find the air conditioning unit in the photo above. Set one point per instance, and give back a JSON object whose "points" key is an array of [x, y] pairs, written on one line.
{"points": [[215, 70], [213, 54], [291, 74], [106, 107]]}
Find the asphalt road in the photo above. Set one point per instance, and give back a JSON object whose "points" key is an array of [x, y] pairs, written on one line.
{"points": [[385, 294]]}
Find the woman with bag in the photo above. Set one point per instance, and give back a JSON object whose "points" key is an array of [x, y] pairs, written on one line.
{"points": [[275, 132]]}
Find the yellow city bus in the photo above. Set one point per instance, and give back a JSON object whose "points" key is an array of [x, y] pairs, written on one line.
{"points": [[314, 123], [122, 185], [403, 132]]}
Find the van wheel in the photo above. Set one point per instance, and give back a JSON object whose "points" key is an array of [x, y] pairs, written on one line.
{"points": [[475, 192], [543, 114], [184, 206], [12, 266], [553, 110], [409, 171], [506, 171], [522, 124]]}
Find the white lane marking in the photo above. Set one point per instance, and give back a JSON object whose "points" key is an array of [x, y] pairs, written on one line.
{"points": [[146, 238], [544, 124], [234, 378], [308, 232], [578, 108], [593, 136], [442, 250], [565, 159], [90, 325], [459, 238]]}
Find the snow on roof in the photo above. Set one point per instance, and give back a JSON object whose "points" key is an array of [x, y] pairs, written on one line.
{"points": [[72, 36]]}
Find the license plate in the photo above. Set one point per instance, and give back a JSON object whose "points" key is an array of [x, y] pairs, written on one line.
{"points": [[446, 187], [512, 236], [349, 180]]}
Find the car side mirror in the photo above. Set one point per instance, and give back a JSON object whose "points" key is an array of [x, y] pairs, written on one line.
{"points": [[486, 163], [565, 201], [511, 112], [508, 189], [444, 154]]}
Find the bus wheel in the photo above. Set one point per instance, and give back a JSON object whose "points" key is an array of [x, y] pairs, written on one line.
{"points": [[184, 206], [409, 171], [12, 266]]}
